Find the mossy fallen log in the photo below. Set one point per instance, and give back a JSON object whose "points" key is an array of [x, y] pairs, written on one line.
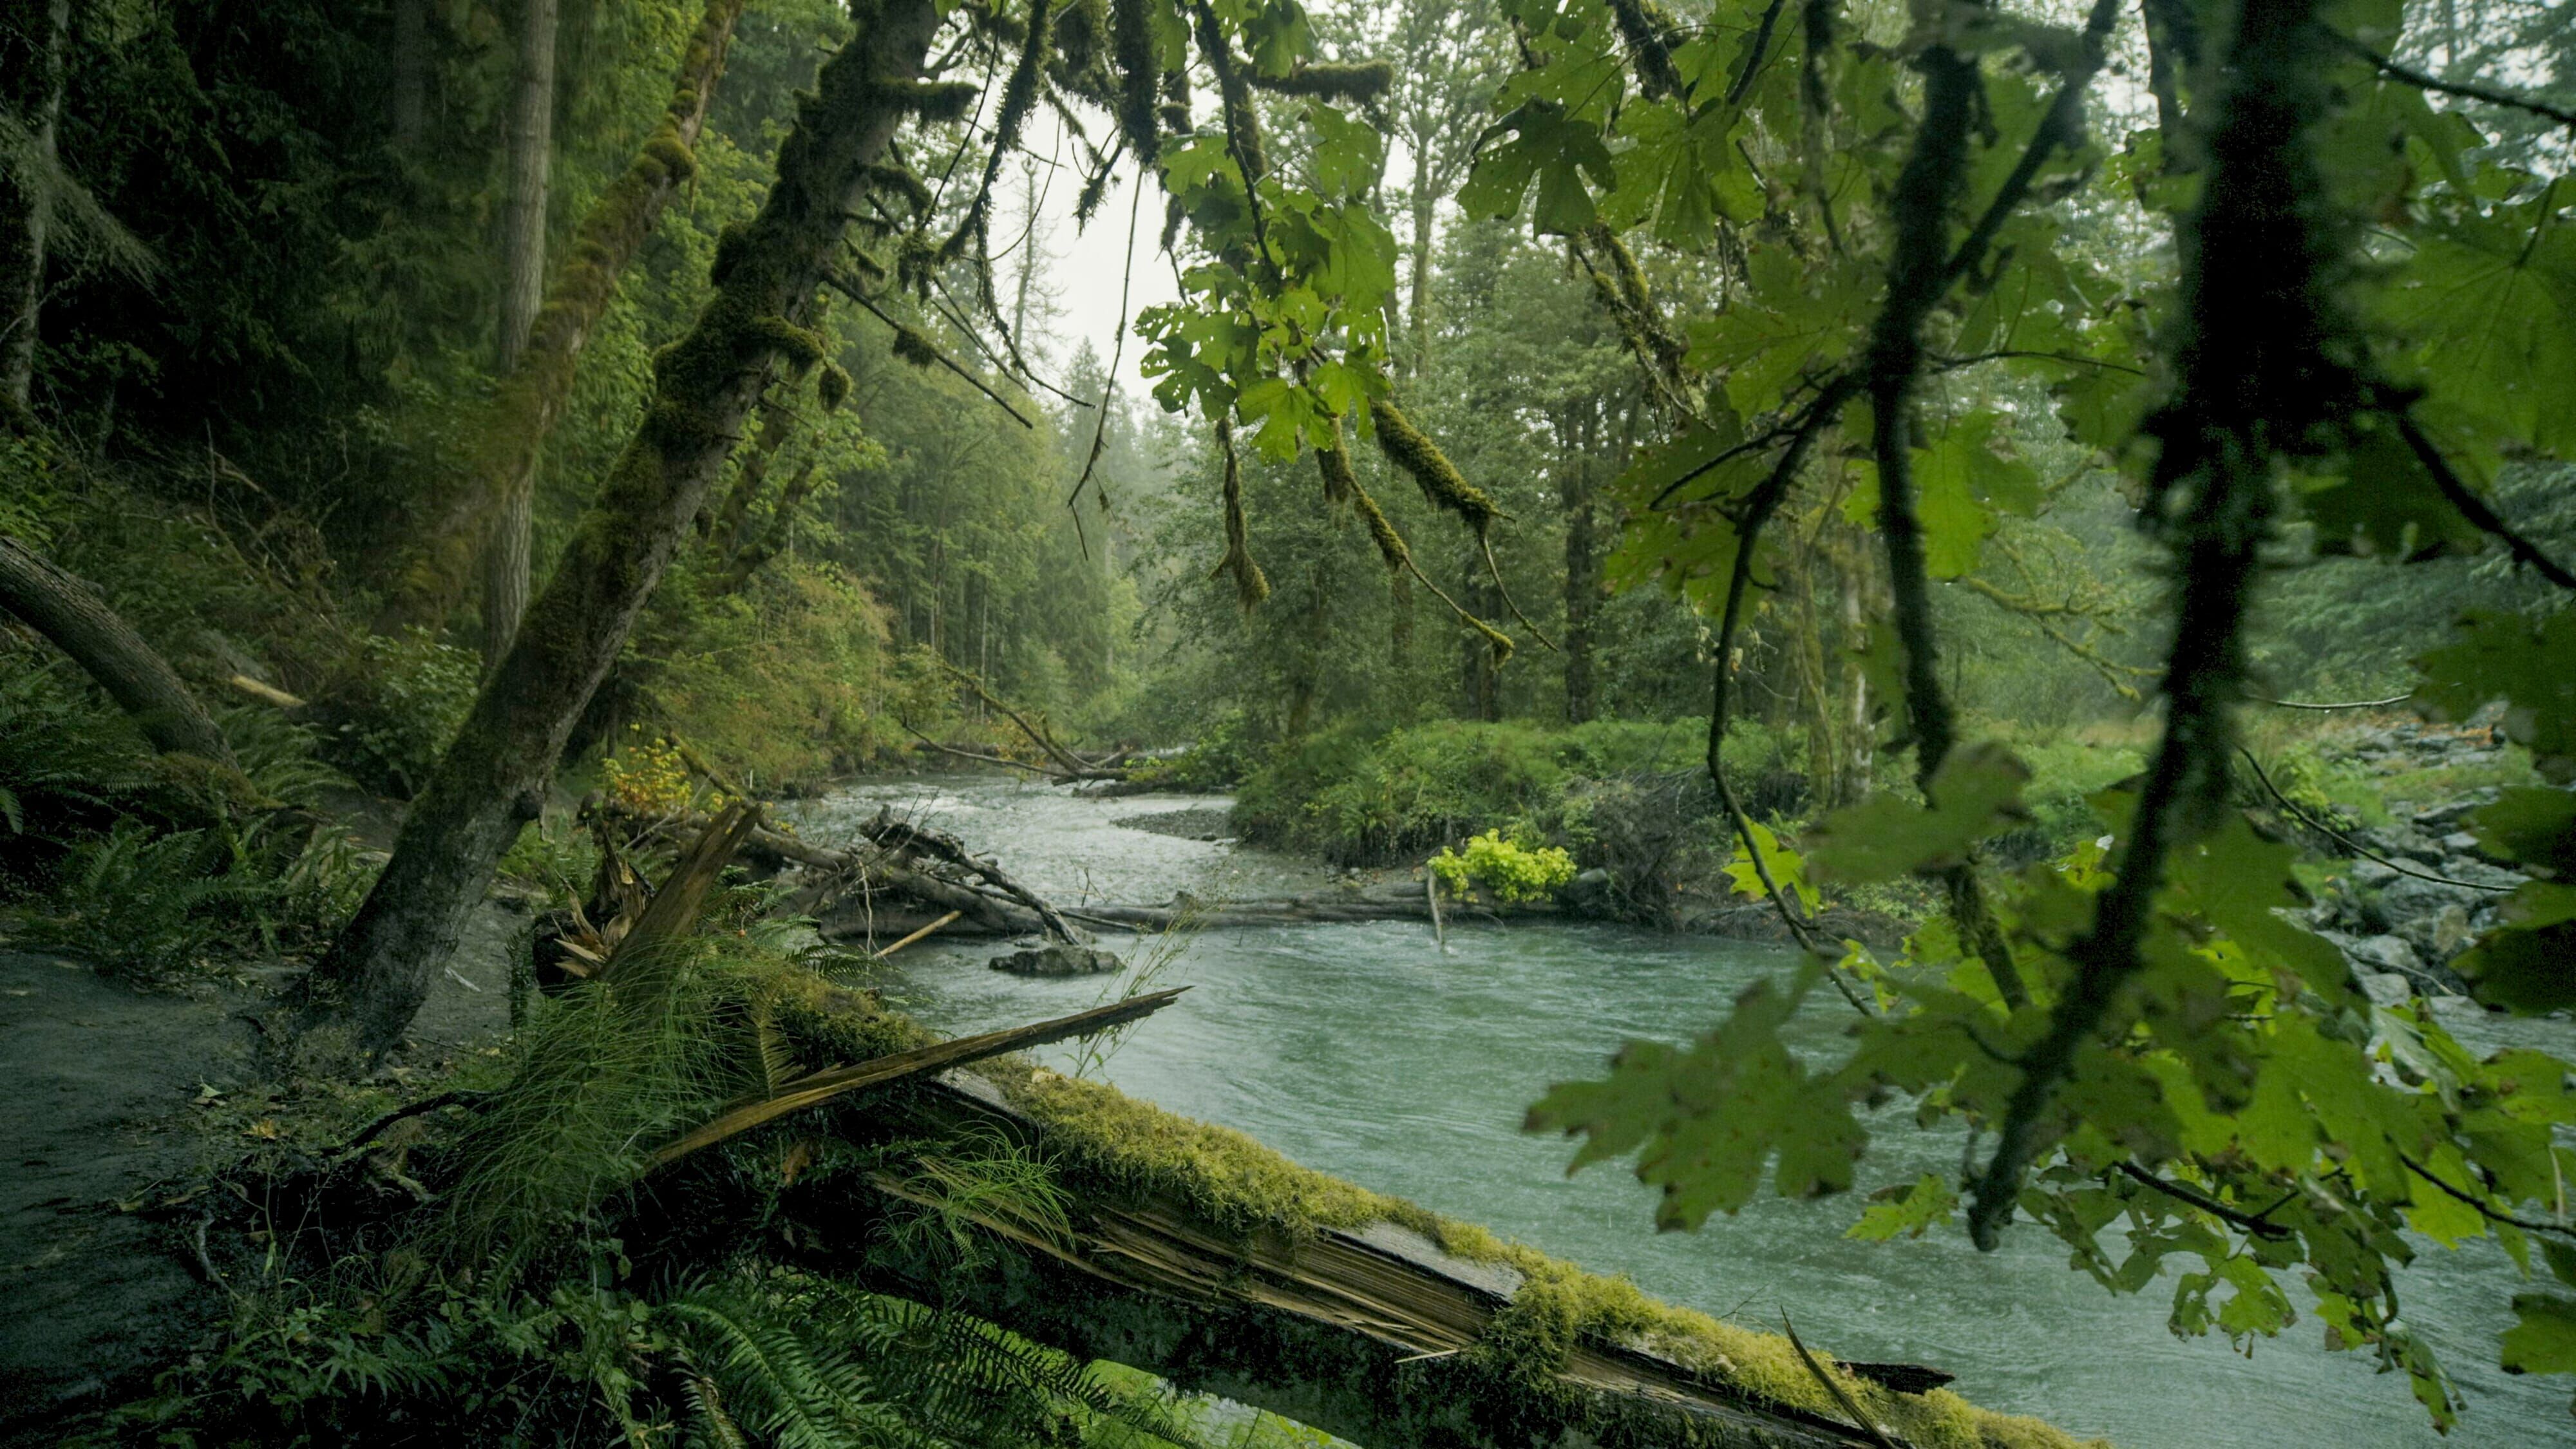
{"points": [[1196, 1253]]}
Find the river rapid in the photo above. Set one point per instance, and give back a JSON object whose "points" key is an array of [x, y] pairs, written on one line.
{"points": [[1371, 1053]]}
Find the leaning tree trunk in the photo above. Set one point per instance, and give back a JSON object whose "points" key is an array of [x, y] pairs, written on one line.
{"points": [[26, 209], [513, 429], [68, 612], [523, 287], [494, 778]]}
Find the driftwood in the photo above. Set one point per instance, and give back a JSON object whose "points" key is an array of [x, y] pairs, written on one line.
{"points": [[901, 877], [1399, 900], [815, 1088]]}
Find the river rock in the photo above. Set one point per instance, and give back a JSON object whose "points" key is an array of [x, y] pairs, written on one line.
{"points": [[2440, 936], [1059, 960]]}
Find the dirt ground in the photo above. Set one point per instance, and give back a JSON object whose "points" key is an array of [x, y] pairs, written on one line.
{"points": [[101, 1284]]}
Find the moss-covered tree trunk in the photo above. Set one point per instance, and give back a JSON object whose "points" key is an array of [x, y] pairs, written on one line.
{"points": [[523, 289], [26, 208], [495, 776], [511, 434], [69, 613]]}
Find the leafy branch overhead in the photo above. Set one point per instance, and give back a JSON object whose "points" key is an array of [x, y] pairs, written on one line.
{"points": [[2366, 311]]}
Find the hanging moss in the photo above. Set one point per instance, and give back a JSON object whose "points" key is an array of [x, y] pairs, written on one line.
{"points": [[1019, 97], [1358, 83], [1080, 33], [1251, 586], [1407, 448], [1131, 37], [887, 176], [915, 348], [833, 387]]}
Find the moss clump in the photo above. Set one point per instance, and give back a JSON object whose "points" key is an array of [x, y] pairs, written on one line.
{"points": [[833, 388], [1440, 481], [666, 149], [801, 346], [932, 100], [1361, 82]]}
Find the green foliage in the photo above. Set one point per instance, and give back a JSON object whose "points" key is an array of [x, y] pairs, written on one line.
{"points": [[1413, 789], [1977, 793], [411, 692], [1509, 870]]}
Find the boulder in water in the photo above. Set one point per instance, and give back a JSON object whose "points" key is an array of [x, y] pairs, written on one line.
{"points": [[1059, 960]]}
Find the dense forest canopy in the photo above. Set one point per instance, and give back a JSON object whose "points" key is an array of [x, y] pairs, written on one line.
{"points": [[1948, 463]]}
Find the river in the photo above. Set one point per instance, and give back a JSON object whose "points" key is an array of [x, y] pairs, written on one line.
{"points": [[1369, 1052]]}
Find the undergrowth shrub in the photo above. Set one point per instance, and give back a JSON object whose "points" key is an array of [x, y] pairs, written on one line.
{"points": [[1358, 800], [1510, 870]]}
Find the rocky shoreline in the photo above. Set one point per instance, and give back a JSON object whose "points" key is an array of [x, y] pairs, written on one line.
{"points": [[2403, 917]]}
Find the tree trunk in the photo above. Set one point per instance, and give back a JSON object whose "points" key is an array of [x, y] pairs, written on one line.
{"points": [[1582, 590], [68, 612], [1426, 202], [404, 105], [513, 429], [26, 211], [523, 284], [494, 778]]}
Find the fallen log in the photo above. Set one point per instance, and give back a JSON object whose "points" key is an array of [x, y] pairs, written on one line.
{"points": [[1195, 1254], [1399, 900]]}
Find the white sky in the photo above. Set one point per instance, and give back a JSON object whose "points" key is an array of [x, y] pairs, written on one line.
{"points": [[1084, 271]]}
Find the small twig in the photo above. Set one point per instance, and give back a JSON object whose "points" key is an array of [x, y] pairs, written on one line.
{"points": [[1117, 351], [2475, 510], [944, 360], [2339, 838], [2347, 704], [2251, 1222], [1425, 1357], [2491, 1214], [2465, 90], [915, 936], [1860, 1421], [1495, 571]]}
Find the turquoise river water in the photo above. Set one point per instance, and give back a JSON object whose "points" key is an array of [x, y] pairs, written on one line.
{"points": [[1369, 1052]]}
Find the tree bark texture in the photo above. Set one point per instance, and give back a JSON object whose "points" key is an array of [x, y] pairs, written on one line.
{"points": [[522, 413], [494, 778], [523, 285], [1582, 590], [70, 614], [26, 212]]}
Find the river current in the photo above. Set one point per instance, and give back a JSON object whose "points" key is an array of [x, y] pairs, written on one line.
{"points": [[1370, 1052]]}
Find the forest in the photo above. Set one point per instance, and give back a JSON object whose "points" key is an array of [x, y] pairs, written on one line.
{"points": [[1001, 723]]}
